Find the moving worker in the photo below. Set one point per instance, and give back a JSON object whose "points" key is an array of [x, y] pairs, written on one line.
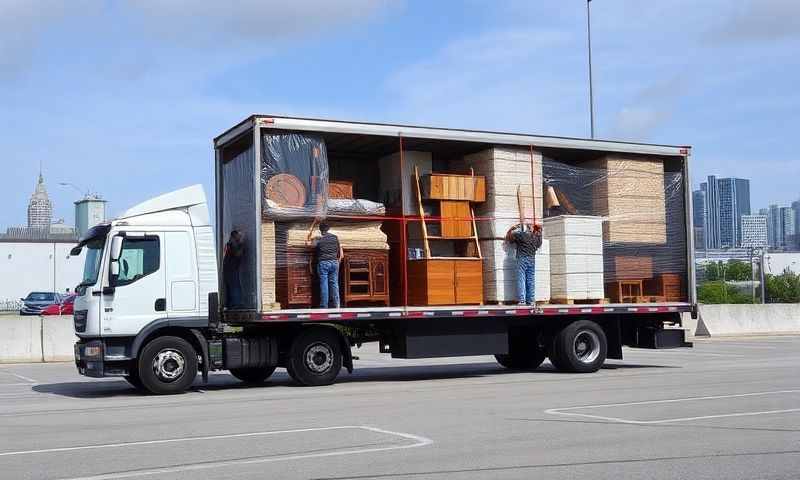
{"points": [[231, 263], [329, 253], [527, 240]]}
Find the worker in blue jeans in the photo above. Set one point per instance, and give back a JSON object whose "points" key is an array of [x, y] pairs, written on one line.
{"points": [[329, 253], [527, 239]]}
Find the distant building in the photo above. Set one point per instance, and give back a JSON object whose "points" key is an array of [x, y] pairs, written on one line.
{"points": [[40, 208], [796, 208], [89, 211], [699, 218], [726, 200], [754, 231], [782, 227], [711, 231], [788, 228]]}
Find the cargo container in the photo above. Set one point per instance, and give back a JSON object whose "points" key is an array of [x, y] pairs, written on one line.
{"points": [[427, 220]]}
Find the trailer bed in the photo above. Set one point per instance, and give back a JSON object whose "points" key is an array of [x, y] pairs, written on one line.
{"points": [[451, 311]]}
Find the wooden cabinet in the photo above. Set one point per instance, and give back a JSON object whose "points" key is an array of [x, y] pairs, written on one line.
{"points": [[294, 285], [668, 285], [445, 281], [365, 277]]}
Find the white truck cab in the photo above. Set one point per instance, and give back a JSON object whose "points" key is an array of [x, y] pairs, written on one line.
{"points": [[153, 266]]}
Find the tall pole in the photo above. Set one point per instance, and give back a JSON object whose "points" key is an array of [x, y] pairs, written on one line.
{"points": [[591, 87]]}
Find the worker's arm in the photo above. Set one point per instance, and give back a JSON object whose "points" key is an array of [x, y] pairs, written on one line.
{"points": [[341, 252]]}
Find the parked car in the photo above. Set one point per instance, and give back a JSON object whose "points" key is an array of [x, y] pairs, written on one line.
{"points": [[64, 307], [35, 302]]}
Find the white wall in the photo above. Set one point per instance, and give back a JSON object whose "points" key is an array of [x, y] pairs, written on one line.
{"points": [[27, 267]]}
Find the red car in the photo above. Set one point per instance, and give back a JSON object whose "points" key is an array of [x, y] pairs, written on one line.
{"points": [[63, 308]]}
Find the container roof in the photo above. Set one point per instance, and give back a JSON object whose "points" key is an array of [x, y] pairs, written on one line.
{"points": [[433, 133]]}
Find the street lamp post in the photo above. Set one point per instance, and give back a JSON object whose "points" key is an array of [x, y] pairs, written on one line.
{"points": [[591, 92]]}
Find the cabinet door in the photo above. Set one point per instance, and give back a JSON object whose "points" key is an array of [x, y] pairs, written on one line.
{"points": [[469, 282], [379, 277]]}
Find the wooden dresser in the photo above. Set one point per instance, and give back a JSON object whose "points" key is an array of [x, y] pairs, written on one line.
{"points": [[363, 278], [445, 281]]}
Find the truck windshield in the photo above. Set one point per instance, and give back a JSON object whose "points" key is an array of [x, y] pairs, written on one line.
{"points": [[94, 255]]}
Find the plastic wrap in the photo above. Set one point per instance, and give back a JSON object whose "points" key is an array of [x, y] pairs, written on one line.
{"points": [[238, 203], [294, 176], [641, 203]]}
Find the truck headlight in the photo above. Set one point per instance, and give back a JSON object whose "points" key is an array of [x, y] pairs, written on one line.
{"points": [[93, 351]]}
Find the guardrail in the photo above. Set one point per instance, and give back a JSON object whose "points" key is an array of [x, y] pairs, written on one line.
{"points": [[10, 305]]}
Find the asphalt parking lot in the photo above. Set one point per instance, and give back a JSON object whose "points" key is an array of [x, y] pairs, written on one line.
{"points": [[725, 409]]}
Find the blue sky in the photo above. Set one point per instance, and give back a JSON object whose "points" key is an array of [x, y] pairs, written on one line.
{"points": [[124, 97]]}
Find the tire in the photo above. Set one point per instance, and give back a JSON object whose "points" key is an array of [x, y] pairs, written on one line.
{"points": [[315, 357], [252, 374], [580, 347], [167, 365]]}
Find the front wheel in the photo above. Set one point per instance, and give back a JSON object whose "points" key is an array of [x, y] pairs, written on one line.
{"points": [[315, 357], [579, 347], [252, 374], [167, 365]]}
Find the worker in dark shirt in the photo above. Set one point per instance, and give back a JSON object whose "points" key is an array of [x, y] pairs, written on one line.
{"points": [[329, 253], [231, 265], [527, 241]]}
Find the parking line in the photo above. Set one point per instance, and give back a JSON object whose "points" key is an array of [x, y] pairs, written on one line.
{"points": [[564, 410], [419, 441], [21, 377]]}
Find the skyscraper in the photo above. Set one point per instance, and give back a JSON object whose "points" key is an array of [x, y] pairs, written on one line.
{"points": [[712, 231], [788, 227], [796, 208], [754, 231], [40, 208], [699, 218], [734, 201]]}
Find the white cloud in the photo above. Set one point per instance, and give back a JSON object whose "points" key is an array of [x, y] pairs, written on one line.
{"points": [[760, 20]]}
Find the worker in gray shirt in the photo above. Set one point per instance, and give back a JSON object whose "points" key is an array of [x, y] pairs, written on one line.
{"points": [[527, 240], [329, 253]]}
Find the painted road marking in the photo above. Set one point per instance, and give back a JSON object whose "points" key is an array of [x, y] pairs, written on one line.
{"points": [[566, 410], [20, 377], [419, 441]]}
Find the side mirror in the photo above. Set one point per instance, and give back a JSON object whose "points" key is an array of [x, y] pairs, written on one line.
{"points": [[114, 268], [116, 248]]}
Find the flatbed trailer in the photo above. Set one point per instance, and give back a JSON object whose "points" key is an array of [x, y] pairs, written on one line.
{"points": [[161, 346]]}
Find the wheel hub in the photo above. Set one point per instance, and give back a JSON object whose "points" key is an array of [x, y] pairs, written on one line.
{"points": [[587, 346], [169, 365], [319, 358]]}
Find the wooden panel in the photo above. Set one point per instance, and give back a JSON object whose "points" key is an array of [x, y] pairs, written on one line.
{"points": [[468, 282], [455, 228], [440, 281], [340, 189], [438, 186], [632, 267]]}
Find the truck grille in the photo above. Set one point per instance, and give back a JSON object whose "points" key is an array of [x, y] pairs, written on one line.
{"points": [[79, 317]]}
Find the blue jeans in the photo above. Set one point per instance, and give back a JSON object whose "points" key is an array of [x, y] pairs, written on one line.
{"points": [[526, 279], [328, 283]]}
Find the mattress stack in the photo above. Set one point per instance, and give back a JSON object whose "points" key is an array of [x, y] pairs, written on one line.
{"points": [[506, 170], [500, 272], [363, 235], [576, 257], [268, 298], [631, 194]]}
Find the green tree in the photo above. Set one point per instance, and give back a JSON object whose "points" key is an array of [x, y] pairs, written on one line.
{"points": [[737, 270], [712, 271], [783, 288], [718, 292]]}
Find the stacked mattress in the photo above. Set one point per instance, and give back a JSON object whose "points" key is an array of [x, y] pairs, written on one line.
{"points": [[576, 257]]}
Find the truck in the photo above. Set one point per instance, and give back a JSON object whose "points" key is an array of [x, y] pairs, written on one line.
{"points": [[152, 307]]}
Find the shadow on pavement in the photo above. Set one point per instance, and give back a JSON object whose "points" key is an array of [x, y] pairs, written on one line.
{"points": [[217, 382]]}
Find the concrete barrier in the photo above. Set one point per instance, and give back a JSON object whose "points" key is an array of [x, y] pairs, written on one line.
{"points": [[58, 338], [769, 319], [20, 339]]}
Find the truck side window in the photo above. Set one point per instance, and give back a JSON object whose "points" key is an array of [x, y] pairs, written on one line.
{"points": [[139, 257]]}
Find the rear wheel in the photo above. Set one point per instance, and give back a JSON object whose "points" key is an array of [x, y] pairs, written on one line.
{"points": [[315, 357], [579, 347], [167, 365], [252, 374]]}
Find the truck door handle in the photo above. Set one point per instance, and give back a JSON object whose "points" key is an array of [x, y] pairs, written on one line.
{"points": [[161, 304]]}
